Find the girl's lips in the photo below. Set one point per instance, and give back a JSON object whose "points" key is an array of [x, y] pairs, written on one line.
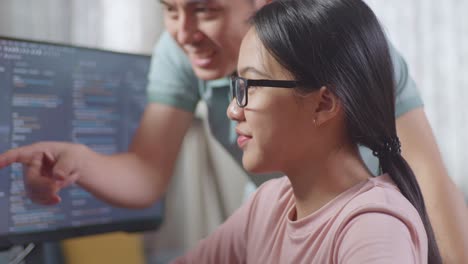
{"points": [[243, 140]]}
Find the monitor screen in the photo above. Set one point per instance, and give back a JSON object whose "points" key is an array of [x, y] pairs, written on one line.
{"points": [[67, 93]]}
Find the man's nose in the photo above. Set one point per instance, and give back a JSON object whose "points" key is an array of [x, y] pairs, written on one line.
{"points": [[187, 30]]}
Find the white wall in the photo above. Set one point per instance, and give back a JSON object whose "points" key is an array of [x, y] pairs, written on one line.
{"points": [[121, 25]]}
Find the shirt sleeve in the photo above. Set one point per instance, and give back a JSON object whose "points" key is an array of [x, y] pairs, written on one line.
{"points": [[171, 80], [228, 244], [376, 238], [407, 94]]}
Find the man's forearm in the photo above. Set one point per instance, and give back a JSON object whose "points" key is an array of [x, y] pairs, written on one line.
{"points": [[123, 180]]}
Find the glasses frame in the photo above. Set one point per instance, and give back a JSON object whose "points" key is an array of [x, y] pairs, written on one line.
{"points": [[259, 83]]}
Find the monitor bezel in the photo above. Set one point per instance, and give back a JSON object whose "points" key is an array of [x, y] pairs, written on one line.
{"points": [[70, 45]]}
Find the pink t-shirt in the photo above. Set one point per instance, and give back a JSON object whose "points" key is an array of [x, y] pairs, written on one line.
{"points": [[372, 222]]}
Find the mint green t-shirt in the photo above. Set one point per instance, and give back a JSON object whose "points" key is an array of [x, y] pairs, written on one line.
{"points": [[173, 82]]}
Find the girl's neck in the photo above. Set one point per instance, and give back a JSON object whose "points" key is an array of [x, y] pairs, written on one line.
{"points": [[316, 183]]}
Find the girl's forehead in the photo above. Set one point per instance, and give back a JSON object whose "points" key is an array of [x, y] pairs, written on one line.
{"points": [[255, 55]]}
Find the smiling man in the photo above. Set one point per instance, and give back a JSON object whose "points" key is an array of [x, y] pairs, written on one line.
{"points": [[209, 32]]}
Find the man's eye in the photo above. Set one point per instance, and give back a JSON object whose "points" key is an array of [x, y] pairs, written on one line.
{"points": [[201, 9], [170, 9], [205, 10]]}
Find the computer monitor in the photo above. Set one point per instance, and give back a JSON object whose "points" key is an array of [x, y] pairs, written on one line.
{"points": [[75, 94]]}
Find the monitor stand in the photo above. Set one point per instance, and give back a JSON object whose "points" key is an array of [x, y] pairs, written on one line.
{"points": [[42, 253]]}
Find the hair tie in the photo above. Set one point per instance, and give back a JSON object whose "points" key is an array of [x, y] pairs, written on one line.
{"points": [[389, 147]]}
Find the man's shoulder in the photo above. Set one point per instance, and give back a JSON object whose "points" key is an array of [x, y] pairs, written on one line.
{"points": [[172, 80]]}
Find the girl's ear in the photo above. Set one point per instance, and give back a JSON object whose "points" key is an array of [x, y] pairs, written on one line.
{"points": [[327, 106]]}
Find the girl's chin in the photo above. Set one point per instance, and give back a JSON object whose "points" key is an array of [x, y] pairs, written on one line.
{"points": [[250, 167], [255, 167]]}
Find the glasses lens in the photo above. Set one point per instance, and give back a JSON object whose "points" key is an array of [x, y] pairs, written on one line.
{"points": [[232, 86], [241, 95]]}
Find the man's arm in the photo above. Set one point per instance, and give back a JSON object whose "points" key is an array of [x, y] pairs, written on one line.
{"points": [[133, 179], [445, 203], [139, 177]]}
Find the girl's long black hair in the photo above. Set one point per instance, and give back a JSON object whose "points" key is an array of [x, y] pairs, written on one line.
{"points": [[341, 45]]}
